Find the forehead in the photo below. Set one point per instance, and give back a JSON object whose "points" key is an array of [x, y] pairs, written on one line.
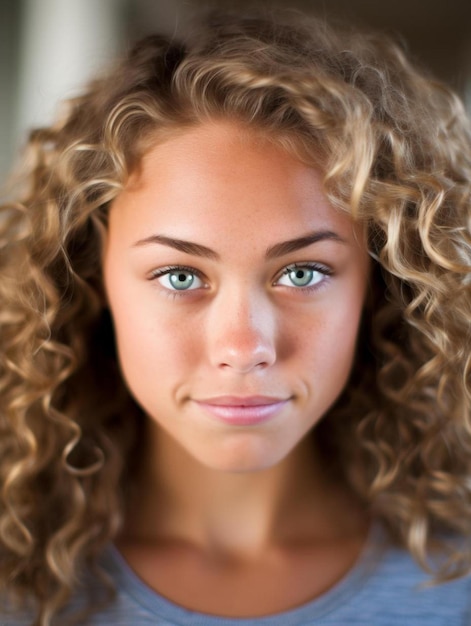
{"points": [[224, 177], [214, 143]]}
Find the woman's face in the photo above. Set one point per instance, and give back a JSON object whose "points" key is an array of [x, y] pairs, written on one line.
{"points": [[236, 291]]}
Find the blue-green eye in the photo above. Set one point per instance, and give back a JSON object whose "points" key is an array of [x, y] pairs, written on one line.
{"points": [[181, 280], [302, 276], [178, 278]]}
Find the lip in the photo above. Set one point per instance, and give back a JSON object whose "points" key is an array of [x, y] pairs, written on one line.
{"points": [[243, 410]]}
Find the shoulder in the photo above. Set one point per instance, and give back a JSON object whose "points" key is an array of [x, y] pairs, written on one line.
{"points": [[396, 590]]}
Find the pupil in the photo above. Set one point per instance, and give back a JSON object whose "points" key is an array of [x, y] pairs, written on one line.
{"points": [[181, 280], [301, 277]]}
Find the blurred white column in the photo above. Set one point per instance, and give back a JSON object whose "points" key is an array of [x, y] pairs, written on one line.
{"points": [[63, 44]]}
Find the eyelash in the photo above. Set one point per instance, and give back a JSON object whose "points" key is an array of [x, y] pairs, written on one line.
{"points": [[164, 271], [315, 267]]}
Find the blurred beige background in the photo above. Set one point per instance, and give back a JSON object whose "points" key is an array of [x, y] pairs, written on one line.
{"points": [[49, 48]]}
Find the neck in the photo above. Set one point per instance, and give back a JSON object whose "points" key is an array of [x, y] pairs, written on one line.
{"points": [[178, 498]]}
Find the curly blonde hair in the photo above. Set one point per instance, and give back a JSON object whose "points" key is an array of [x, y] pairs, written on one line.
{"points": [[395, 148]]}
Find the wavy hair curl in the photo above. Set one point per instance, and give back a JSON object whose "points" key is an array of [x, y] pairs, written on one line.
{"points": [[395, 148]]}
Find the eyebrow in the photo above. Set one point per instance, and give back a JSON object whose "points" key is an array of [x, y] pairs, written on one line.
{"points": [[285, 247], [189, 247], [273, 252]]}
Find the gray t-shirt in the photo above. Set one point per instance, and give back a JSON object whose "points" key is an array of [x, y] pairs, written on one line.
{"points": [[384, 588]]}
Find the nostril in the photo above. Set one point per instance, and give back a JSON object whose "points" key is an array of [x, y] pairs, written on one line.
{"points": [[244, 369]]}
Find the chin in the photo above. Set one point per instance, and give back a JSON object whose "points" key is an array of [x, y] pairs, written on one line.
{"points": [[243, 458]]}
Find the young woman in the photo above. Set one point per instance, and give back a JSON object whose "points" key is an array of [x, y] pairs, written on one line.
{"points": [[235, 341]]}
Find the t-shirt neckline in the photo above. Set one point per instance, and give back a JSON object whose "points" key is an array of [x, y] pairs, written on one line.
{"points": [[128, 582]]}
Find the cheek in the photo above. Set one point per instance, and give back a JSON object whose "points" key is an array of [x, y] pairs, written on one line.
{"points": [[330, 346], [154, 346]]}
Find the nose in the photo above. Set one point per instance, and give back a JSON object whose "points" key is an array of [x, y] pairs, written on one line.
{"points": [[242, 332]]}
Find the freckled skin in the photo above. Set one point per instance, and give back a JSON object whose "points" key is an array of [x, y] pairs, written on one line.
{"points": [[244, 329]]}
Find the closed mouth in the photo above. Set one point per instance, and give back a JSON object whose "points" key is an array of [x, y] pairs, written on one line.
{"points": [[242, 401], [243, 410]]}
